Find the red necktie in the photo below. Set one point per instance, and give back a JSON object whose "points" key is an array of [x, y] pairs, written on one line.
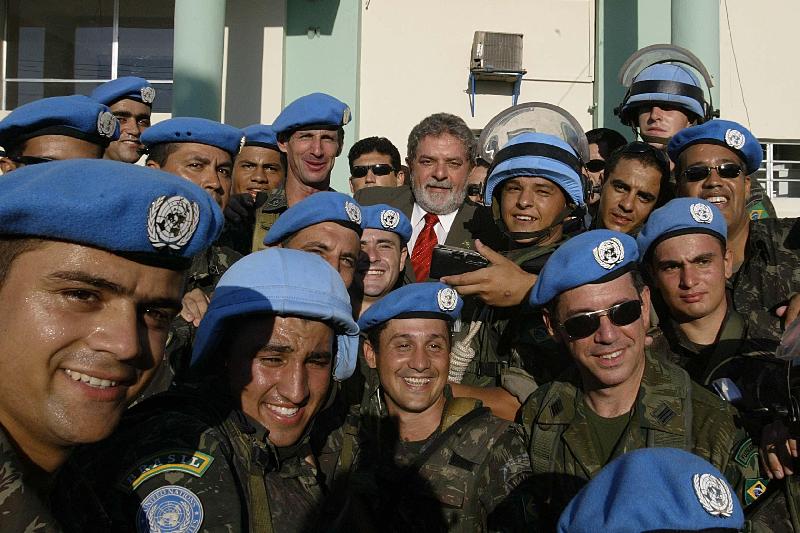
{"points": [[423, 248]]}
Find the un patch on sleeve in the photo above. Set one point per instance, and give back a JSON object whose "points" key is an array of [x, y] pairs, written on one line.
{"points": [[170, 509]]}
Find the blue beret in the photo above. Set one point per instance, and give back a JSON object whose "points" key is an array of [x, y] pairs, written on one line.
{"points": [[127, 87], [75, 116], [115, 206], [282, 282], [679, 217], [316, 109], [194, 130], [326, 206], [387, 218], [428, 299], [596, 256], [679, 81], [552, 163], [727, 133], [260, 135], [654, 489]]}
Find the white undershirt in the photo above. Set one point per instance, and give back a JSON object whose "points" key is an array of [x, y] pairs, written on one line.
{"points": [[441, 228]]}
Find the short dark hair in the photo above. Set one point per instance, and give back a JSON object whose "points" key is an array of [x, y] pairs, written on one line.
{"points": [[382, 145], [606, 139], [439, 124], [159, 153], [648, 158], [12, 247]]}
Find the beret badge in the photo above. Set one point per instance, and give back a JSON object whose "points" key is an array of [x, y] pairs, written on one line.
{"points": [[609, 253], [172, 221]]}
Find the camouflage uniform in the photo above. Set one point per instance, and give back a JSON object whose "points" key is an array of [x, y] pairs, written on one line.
{"points": [[703, 363], [670, 411], [470, 475], [22, 507], [513, 348], [759, 205], [192, 440], [769, 275]]}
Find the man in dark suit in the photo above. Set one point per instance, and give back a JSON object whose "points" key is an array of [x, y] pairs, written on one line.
{"points": [[441, 153]]}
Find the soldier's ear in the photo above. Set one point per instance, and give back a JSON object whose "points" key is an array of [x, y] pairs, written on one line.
{"points": [[403, 257], [369, 354], [152, 164], [7, 165]]}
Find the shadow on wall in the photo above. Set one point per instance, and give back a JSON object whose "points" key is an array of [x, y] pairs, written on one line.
{"points": [[318, 17]]}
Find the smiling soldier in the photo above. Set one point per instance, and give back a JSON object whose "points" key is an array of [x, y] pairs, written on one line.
{"points": [[618, 397], [429, 462], [88, 307], [230, 451]]}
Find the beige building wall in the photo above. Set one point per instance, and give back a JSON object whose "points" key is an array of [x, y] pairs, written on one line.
{"points": [[762, 94], [415, 57]]}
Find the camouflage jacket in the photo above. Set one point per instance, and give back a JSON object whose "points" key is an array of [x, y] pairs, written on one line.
{"points": [[186, 459], [515, 341], [759, 204], [670, 411], [22, 507], [769, 275], [470, 475], [704, 363]]}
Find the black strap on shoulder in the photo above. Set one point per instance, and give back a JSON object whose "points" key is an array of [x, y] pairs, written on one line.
{"points": [[536, 149], [668, 87]]}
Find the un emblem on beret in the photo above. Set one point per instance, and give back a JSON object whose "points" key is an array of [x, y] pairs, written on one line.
{"points": [[345, 115], [171, 508], [734, 139], [390, 218], [172, 221], [353, 212], [713, 494], [609, 253], [701, 213], [241, 143], [447, 299], [148, 94], [106, 124]]}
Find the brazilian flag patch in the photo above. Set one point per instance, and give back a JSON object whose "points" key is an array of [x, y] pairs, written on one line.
{"points": [[187, 461], [753, 488], [746, 453]]}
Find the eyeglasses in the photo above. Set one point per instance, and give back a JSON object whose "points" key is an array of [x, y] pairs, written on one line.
{"points": [[595, 165], [30, 160], [701, 172], [638, 147], [381, 169], [585, 324]]}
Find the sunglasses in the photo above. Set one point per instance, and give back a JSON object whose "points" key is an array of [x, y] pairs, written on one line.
{"points": [[701, 172], [30, 160], [381, 169], [585, 324], [595, 165]]}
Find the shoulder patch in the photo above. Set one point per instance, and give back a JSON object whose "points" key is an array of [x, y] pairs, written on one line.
{"points": [[171, 508], [746, 453], [187, 461], [753, 488]]}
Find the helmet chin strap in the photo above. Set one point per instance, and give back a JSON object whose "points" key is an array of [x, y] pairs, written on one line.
{"points": [[653, 139], [538, 236]]}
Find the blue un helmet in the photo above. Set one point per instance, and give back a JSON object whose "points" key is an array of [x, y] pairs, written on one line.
{"points": [[536, 155], [281, 281], [661, 73]]}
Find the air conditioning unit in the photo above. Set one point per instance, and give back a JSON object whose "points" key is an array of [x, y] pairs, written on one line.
{"points": [[493, 52]]}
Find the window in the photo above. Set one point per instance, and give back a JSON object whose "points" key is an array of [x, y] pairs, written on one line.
{"points": [[780, 171], [61, 47]]}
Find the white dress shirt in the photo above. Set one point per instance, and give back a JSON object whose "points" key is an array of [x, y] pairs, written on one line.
{"points": [[441, 228]]}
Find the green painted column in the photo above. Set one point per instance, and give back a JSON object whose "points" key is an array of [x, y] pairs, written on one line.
{"points": [[321, 54], [198, 56], [695, 25]]}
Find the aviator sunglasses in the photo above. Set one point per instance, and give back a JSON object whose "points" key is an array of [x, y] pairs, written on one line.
{"points": [[361, 171], [701, 172], [585, 324], [595, 165]]}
